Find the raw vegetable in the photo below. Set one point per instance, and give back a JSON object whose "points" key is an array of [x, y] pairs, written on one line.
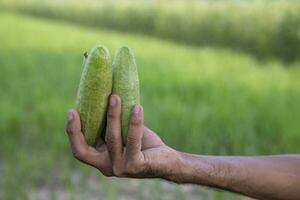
{"points": [[126, 85], [93, 93]]}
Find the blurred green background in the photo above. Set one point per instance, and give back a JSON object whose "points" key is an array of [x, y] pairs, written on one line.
{"points": [[217, 77]]}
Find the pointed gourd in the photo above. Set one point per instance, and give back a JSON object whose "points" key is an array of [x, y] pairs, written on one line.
{"points": [[93, 93], [126, 85]]}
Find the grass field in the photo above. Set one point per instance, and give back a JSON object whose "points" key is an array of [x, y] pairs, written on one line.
{"points": [[200, 100], [262, 28]]}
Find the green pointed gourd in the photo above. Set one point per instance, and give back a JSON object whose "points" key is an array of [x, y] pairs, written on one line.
{"points": [[93, 93], [126, 85]]}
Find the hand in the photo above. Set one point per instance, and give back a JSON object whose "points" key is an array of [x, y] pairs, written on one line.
{"points": [[144, 156]]}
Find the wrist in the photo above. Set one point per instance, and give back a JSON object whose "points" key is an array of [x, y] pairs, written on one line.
{"points": [[214, 171], [179, 170], [203, 170], [188, 168], [170, 167]]}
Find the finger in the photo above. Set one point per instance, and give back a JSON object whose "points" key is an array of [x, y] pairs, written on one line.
{"points": [[113, 137], [135, 132], [76, 137], [80, 148]]}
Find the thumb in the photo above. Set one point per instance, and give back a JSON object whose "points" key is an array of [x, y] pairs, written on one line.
{"points": [[80, 148], [73, 124], [76, 138]]}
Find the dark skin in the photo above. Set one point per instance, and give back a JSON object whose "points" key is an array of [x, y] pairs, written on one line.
{"points": [[146, 156]]}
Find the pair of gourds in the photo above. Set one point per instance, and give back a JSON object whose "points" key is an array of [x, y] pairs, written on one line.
{"points": [[100, 79]]}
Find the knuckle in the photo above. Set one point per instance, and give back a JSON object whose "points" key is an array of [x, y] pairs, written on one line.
{"points": [[133, 167], [69, 130], [136, 121], [110, 140], [107, 173], [112, 113], [132, 139], [79, 154], [118, 171]]}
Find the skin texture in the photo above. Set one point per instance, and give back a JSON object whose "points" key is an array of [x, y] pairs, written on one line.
{"points": [[93, 93], [146, 156], [126, 85]]}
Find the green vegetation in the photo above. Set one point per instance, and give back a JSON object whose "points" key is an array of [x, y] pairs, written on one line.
{"points": [[262, 28], [93, 93], [201, 100], [126, 85]]}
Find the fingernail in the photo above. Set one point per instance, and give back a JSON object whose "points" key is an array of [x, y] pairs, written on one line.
{"points": [[112, 101], [136, 110], [70, 116]]}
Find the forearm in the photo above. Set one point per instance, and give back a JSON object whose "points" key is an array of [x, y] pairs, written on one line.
{"points": [[263, 177]]}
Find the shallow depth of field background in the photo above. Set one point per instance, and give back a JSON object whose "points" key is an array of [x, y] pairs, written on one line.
{"points": [[219, 78]]}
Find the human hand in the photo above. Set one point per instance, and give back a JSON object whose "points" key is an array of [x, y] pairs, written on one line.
{"points": [[144, 156]]}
